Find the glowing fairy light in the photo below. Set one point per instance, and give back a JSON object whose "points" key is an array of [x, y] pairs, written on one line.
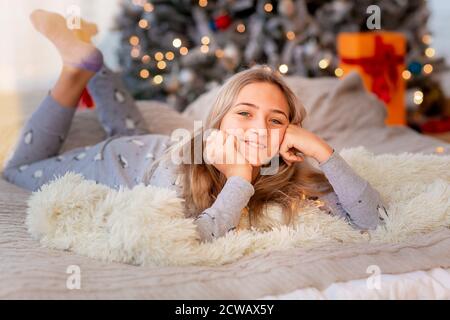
{"points": [[204, 49], [290, 35], [240, 28], [406, 74], [148, 7], [134, 40], [429, 52], [283, 68], [418, 97], [158, 79], [338, 72], [268, 7], [170, 55], [219, 53], [145, 59], [324, 63], [440, 149], [159, 56], [205, 40], [135, 52], [427, 39], [176, 42], [143, 23], [161, 65], [144, 73], [202, 3], [184, 51], [428, 68]]}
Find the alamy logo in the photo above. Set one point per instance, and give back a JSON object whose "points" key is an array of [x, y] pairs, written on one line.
{"points": [[73, 17], [374, 20], [74, 280]]}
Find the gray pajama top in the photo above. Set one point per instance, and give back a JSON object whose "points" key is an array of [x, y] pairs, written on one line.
{"points": [[129, 148]]}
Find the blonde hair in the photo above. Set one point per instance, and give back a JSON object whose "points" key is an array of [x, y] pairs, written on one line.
{"points": [[290, 187]]}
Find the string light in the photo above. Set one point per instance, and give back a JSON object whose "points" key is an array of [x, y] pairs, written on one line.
{"points": [[170, 55], [144, 74], [268, 7], [135, 52], [439, 149], [158, 79], [205, 40], [418, 97], [176, 42], [283, 68], [290, 35], [219, 53], [429, 52], [148, 7], [134, 40], [204, 49], [159, 56], [202, 3], [406, 74], [240, 28], [428, 68], [338, 72], [427, 39], [143, 23], [161, 65], [324, 63], [145, 59], [184, 51]]}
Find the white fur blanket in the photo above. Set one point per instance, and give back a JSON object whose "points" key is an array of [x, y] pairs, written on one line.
{"points": [[146, 226]]}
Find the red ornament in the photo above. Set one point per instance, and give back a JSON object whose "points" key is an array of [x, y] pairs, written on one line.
{"points": [[222, 22]]}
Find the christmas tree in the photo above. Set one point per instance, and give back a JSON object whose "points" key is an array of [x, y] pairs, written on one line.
{"points": [[174, 50]]}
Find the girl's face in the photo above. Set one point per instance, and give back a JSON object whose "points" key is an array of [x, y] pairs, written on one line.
{"points": [[258, 118]]}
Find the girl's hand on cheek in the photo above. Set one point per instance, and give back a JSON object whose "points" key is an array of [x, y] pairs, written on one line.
{"points": [[222, 152], [297, 139]]}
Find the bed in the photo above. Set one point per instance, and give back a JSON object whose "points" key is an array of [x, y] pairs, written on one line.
{"points": [[341, 112]]}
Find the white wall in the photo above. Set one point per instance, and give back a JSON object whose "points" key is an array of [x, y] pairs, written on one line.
{"points": [[28, 61], [439, 25]]}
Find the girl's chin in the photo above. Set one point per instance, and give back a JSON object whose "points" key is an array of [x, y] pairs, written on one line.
{"points": [[256, 156], [257, 162]]}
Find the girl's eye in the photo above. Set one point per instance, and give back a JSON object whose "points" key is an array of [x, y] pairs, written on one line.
{"points": [[276, 121], [244, 113]]}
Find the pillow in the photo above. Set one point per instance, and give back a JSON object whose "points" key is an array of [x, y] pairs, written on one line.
{"points": [[332, 104], [160, 118]]}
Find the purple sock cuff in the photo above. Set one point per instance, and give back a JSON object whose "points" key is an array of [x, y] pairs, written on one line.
{"points": [[93, 62]]}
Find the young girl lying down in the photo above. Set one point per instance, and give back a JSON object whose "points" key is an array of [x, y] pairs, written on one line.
{"points": [[256, 118]]}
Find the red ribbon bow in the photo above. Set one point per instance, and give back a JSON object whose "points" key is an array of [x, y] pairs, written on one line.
{"points": [[382, 67]]}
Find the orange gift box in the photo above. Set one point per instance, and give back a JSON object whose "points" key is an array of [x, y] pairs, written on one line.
{"points": [[379, 58]]}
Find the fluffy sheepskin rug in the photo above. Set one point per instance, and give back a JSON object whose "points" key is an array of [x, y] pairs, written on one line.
{"points": [[146, 226]]}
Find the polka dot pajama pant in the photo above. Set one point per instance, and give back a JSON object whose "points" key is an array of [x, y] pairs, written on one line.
{"points": [[120, 159]]}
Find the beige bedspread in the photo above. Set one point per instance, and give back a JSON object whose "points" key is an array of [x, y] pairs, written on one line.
{"points": [[29, 271]]}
